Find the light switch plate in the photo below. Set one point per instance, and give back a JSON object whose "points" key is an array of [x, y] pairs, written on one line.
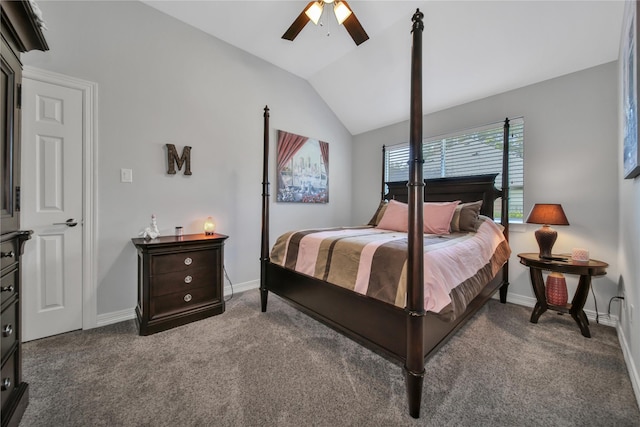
{"points": [[126, 175]]}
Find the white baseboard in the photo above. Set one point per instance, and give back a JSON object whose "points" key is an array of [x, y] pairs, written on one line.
{"points": [[115, 317], [631, 366], [528, 301], [130, 313], [241, 287]]}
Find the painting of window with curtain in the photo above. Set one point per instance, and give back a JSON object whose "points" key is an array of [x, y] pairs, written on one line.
{"points": [[303, 169]]}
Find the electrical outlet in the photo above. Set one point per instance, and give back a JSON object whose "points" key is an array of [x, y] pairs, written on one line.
{"points": [[126, 175]]}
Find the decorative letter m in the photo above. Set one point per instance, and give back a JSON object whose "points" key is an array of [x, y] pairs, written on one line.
{"points": [[172, 158]]}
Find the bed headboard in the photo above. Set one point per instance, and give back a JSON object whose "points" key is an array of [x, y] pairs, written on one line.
{"points": [[464, 188]]}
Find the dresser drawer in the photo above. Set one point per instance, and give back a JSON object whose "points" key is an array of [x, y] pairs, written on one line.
{"points": [[9, 285], [183, 301], [161, 264], [8, 378], [8, 329], [186, 280], [8, 252]]}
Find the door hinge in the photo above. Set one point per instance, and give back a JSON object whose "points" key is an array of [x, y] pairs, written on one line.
{"points": [[19, 97], [17, 199]]}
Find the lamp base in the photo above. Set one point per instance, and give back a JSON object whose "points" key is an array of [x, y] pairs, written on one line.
{"points": [[546, 237]]}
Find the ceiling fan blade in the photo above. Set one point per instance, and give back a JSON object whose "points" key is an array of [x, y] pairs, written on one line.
{"points": [[297, 25], [353, 26]]}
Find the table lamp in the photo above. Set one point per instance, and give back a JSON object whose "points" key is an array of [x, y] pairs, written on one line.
{"points": [[547, 214]]}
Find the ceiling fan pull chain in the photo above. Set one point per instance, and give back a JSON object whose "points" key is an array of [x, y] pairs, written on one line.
{"points": [[328, 22]]}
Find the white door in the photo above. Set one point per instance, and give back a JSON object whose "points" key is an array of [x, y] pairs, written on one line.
{"points": [[51, 206]]}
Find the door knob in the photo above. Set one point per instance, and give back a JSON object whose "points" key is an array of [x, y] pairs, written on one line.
{"points": [[70, 223]]}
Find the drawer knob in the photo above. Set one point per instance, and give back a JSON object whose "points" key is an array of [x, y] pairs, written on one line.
{"points": [[7, 330], [9, 288], [9, 254], [188, 279], [6, 384], [188, 261], [187, 298]]}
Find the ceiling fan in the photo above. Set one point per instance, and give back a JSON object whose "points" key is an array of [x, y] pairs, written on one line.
{"points": [[344, 15]]}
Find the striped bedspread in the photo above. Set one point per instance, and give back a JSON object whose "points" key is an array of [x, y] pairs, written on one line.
{"points": [[373, 262]]}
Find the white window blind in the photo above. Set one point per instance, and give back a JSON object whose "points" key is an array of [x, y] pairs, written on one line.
{"points": [[469, 152]]}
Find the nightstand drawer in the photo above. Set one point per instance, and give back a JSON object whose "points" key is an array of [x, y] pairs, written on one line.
{"points": [[182, 301], [183, 281], [8, 253], [188, 260], [9, 285], [8, 329]]}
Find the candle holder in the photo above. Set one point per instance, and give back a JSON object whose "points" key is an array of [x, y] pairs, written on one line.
{"points": [[580, 255], [209, 227]]}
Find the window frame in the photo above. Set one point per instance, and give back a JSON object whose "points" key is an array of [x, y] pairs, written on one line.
{"points": [[397, 157]]}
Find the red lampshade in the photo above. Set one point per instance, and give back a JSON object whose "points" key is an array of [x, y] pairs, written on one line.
{"points": [[550, 214]]}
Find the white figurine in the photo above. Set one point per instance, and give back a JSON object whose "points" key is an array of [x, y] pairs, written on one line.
{"points": [[152, 231], [154, 226]]}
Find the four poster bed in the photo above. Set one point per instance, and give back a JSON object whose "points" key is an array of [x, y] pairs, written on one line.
{"points": [[400, 323]]}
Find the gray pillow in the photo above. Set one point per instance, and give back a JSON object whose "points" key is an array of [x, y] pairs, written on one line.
{"points": [[465, 218], [378, 215]]}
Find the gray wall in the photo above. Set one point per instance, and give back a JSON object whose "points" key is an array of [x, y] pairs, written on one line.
{"points": [[161, 81], [571, 157]]}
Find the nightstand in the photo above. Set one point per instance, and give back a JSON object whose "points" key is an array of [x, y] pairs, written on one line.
{"points": [[180, 280], [585, 270]]}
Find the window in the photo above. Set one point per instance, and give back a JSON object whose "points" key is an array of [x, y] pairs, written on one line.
{"points": [[469, 152]]}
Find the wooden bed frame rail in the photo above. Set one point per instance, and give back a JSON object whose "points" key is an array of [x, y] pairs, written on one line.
{"points": [[406, 336]]}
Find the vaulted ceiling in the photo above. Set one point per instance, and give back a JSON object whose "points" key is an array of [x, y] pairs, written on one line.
{"points": [[472, 49]]}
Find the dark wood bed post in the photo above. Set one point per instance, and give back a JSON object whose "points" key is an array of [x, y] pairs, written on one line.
{"points": [[414, 365], [384, 151], [264, 252], [504, 214]]}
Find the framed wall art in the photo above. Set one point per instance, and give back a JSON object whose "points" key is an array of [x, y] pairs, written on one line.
{"points": [[631, 155], [303, 169]]}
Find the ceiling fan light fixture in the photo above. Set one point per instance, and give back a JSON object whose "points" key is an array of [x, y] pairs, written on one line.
{"points": [[342, 11], [314, 12], [344, 15]]}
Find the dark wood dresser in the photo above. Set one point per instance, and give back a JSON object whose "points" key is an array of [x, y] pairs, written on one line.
{"points": [[20, 33], [180, 280], [15, 392]]}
